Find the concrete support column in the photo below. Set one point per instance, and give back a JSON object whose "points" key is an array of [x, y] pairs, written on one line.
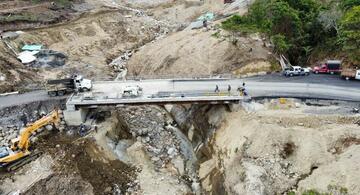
{"points": [[75, 117]]}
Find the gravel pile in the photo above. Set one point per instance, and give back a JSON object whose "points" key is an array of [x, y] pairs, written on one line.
{"points": [[149, 125]]}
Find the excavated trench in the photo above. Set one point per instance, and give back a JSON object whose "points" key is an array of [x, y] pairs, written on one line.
{"points": [[276, 172], [191, 129], [180, 141]]}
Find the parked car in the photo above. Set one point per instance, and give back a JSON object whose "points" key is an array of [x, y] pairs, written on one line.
{"points": [[296, 71], [330, 67], [350, 74]]}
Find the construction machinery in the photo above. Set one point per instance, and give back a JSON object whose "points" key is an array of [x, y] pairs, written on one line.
{"points": [[60, 87], [18, 153]]}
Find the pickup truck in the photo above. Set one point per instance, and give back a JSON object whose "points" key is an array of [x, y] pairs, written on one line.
{"points": [[296, 71], [350, 74], [132, 91], [330, 67]]}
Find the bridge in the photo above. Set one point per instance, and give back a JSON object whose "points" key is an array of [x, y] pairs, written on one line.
{"points": [[197, 91]]}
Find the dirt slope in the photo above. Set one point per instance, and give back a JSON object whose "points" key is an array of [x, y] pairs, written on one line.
{"points": [[195, 52], [280, 148]]}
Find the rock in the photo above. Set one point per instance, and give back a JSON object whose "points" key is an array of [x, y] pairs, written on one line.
{"points": [[195, 186], [154, 159], [333, 151], [206, 168], [147, 139], [49, 127], [301, 124], [34, 139], [171, 151], [57, 145], [179, 165], [73, 155], [61, 128], [22, 130], [107, 190], [12, 136]]}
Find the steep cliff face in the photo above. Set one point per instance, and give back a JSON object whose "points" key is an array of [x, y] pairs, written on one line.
{"points": [[269, 147]]}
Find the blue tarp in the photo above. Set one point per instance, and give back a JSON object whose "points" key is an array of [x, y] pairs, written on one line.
{"points": [[31, 47], [208, 16]]}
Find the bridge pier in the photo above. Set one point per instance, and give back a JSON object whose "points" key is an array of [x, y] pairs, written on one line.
{"points": [[75, 117]]}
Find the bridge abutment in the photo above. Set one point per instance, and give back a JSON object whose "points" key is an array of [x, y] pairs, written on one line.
{"points": [[75, 117]]}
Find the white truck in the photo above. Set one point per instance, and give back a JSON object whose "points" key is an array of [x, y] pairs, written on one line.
{"points": [[132, 91], [296, 71], [60, 87], [350, 74]]}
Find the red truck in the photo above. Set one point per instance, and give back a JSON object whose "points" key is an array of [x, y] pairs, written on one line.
{"points": [[330, 67]]}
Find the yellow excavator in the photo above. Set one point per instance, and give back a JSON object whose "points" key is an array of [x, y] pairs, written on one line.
{"points": [[18, 154]]}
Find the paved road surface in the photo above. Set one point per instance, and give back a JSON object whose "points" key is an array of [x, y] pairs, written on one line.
{"points": [[342, 91], [34, 96], [333, 80], [323, 86]]}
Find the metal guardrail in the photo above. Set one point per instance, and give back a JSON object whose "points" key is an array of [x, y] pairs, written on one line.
{"points": [[180, 77]]}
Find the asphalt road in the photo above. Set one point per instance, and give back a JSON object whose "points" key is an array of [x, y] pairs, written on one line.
{"points": [[316, 86], [331, 80], [19, 99]]}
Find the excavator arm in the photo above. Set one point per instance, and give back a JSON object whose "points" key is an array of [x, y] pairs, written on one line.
{"points": [[20, 145], [23, 143]]}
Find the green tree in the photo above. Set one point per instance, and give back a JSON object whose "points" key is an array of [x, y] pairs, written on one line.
{"points": [[350, 33], [283, 19], [293, 25], [348, 4], [280, 44]]}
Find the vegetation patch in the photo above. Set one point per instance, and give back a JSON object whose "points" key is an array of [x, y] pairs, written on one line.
{"points": [[28, 17], [298, 27]]}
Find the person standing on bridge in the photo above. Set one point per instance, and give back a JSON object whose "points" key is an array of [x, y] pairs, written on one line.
{"points": [[217, 89], [229, 89]]}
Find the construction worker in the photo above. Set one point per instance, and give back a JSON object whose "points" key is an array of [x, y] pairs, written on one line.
{"points": [[82, 130], [217, 89], [205, 23]]}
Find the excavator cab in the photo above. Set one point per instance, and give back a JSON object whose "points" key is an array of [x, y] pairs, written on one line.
{"points": [[14, 143], [18, 154]]}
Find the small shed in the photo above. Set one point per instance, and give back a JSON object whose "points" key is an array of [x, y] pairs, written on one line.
{"points": [[32, 47]]}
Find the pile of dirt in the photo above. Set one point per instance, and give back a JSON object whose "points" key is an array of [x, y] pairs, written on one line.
{"points": [[177, 55], [81, 160], [61, 184], [13, 75]]}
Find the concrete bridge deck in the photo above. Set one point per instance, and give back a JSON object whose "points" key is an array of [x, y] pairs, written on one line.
{"points": [[165, 91], [157, 92], [202, 90]]}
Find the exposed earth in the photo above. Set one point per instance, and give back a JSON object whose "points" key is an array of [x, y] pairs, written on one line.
{"points": [[268, 146]]}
